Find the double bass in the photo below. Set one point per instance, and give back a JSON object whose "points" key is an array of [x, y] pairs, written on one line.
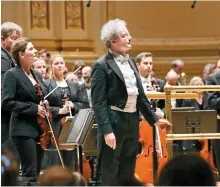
{"points": [[144, 170], [207, 154], [147, 168]]}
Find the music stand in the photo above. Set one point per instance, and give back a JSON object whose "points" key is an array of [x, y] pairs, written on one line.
{"points": [[198, 121], [90, 143], [75, 129], [75, 132]]}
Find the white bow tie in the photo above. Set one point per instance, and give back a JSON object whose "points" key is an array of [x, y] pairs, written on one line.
{"points": [[122, 59]]}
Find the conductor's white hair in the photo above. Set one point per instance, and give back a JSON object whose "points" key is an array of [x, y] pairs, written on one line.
{"points": [[111, 29]]}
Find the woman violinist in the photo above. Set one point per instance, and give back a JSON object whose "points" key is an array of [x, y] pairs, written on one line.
{"points": [[19, 97], [76, 100]]}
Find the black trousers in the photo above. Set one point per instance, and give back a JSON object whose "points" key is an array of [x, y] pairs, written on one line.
{"points": [[31, 155], [216, 146], [119, 164]]}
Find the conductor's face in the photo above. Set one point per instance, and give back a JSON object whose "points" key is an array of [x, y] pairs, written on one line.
{"points": [[121, 43]]}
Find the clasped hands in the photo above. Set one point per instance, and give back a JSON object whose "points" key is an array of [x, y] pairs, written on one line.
{"points": [[110, 139]]}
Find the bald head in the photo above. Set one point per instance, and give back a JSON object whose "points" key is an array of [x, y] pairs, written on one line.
{"points": [[172, 77], [86, 73]]}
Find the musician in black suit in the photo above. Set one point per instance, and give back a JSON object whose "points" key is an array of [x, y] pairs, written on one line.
{"points": [[117, 97], [86, 74], [9, 32], [214, 102], [144, 63], [66, 100], [19, 96]]}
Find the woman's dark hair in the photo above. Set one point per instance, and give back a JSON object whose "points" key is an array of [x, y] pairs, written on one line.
{"points": [[19, 45], [186, 170]]}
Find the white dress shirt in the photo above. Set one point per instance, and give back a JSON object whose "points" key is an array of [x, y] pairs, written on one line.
{"points": [[130, 81]]}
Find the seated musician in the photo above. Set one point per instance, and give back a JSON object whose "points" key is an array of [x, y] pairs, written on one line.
{"points": [[19, 96], [200, 103], [86, 74], [172, 78], [144, 63], [60, 106]]}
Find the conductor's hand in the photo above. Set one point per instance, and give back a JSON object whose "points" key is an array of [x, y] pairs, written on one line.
{"points": [[110, 140], [162, 124]]}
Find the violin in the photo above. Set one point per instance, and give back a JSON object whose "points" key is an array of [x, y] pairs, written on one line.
{"points": [[64, 99], [46, 136]]}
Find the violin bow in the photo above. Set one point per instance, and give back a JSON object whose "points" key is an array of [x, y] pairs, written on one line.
{"points": [[71, 115], [57, 86], [56, 144]]}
